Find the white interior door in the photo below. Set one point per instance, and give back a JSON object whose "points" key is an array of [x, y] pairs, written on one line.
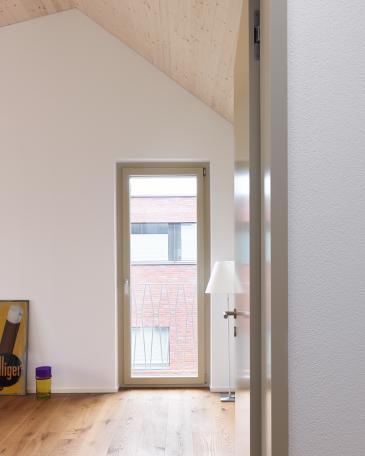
{"points": [[262, 230]]}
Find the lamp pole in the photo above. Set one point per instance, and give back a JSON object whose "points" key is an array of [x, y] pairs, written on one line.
{"points": [[227, 313]]}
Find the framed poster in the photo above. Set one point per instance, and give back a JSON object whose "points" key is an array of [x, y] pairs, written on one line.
{"points": [[13, 346]]}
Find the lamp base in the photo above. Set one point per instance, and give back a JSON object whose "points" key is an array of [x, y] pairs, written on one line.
{"points": [[228, 397]]}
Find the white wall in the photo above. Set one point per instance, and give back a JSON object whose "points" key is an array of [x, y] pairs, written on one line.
{"points": [[73, 102], [326, 227]]}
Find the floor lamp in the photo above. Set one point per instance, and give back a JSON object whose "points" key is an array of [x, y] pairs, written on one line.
{"points": [[224, 280]]}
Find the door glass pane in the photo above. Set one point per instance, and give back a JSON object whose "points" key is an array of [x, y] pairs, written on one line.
{"points": [[150, 347], [163, 273]]}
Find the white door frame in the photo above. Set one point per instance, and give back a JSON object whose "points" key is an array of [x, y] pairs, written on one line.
{"points": [[266, 153], [274, 167]]}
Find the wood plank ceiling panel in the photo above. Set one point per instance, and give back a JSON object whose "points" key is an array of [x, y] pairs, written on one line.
{"points": [[12, 11], [192, 41]]}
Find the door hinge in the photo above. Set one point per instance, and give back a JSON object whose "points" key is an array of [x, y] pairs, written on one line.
{"points": [[204, 172], [256, 34]]}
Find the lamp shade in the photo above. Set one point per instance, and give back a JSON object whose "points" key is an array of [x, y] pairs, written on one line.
{"points": [[224, 279]]}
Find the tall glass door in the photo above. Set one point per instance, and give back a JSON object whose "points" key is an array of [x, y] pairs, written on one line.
{"points": [[163, 274]]}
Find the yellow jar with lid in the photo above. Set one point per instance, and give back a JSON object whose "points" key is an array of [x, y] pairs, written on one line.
{"points": [[43, 375]]}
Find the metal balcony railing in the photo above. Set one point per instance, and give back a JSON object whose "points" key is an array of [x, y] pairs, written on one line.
{"points": [[164, 327]]}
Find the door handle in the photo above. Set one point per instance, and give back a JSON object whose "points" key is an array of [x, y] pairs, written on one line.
{"points": [[126, 287], [230, 313], [236, 313]]}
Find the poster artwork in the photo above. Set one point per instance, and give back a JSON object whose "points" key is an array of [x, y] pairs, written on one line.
{"points": [[13, 347]]}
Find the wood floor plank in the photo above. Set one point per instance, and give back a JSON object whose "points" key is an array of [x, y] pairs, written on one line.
{"points": [[106, 422], [179, 436], [128, 432], [26, 438], [153, 439], [14, 412], [141, 422], [67, 432]]}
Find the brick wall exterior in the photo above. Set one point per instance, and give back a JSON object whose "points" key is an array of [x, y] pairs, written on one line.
{"points": [[163, 210], [164, 295]]}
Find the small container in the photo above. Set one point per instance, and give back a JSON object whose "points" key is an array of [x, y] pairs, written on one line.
{"points": [[43, 375]]}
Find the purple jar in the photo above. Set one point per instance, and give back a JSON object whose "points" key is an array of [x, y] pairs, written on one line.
{"points": [[43, 375]]}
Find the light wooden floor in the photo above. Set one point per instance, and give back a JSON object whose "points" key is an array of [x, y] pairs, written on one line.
{"points": [[174, 422]]}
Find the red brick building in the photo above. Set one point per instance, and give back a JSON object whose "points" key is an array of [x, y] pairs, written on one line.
{"points": [[163, 286]]}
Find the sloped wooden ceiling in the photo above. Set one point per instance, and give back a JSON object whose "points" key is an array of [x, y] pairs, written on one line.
{"points": [[192, 41], [12, 11]]}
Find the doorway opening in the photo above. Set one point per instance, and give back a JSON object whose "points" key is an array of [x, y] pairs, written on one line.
{"points": [[163, 270]]}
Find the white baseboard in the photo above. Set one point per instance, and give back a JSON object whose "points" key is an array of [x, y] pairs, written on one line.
{"points": [[219, 389], [245, 383], [80, 390]]}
